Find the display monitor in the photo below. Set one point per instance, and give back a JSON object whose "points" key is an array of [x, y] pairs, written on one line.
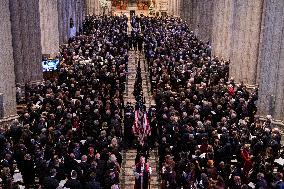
{"points": [[50, 65]]}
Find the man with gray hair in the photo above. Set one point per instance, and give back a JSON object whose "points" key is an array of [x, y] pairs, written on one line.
{"points": [[261, 182], [73, 183], [50, 182]]}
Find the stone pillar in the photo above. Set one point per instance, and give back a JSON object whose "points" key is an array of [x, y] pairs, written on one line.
{"points": [[26, 40], [68, 9], [97, 7], [183, 8], [236, 36], [80, 13], [271, 60], [204, 23], [91, 6], [64, 20], [7, 74], [175, 8], [171, 7], [245, 40], [222, 30], [49, 27], [201, 14], [187, 9], [233, 27], [179, 7]]}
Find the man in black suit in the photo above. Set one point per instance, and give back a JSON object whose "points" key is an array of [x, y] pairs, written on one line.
{"points": [[73, 183], [84, 166], [50, 182], [93, 184]]}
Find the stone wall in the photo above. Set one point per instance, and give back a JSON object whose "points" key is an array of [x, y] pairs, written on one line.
{"points": [[26, 38], [68, 9], [7, 76], [271, 60], [233, 27], [199, 16], [64, 20], [79, 13], [222, 28], [174, 7], [49, 27], [93, 7], [239, 36]]}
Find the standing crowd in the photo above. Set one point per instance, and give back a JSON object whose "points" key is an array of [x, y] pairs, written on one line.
{"points": [[208, 132], [204, 124], [70, 133]]}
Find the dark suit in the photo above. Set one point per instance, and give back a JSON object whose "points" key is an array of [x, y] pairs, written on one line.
{"points": [[261, 184], [93, 185], [73, 184], [50, 183], [84, 170], [280, 185]]}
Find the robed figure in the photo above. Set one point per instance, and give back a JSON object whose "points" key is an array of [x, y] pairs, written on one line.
{"points": [[142, 172]]}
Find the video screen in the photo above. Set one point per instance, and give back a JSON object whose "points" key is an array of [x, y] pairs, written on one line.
{"points": [[50, 65]]}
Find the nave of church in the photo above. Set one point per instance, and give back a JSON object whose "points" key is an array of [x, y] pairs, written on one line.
{"points": [[121, 94]]}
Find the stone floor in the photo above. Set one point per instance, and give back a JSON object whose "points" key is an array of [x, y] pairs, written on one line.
{"points": [[127, 177], [132, 66]]}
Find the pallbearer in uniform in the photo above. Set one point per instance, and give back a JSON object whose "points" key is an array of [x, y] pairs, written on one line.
{"points": [[142, 172]]}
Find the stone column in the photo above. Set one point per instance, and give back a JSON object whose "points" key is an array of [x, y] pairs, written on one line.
{"points": [[222, 30], [68, 9], [179, 7], [245, 40], [26, 40], [233, 27], [171, 7], [175, 8], [236, 30], [88, 8], [7, 74], [91, 7], [271, 60], [80, 13], [64, 20], [97, 10], [188, 13], [183, 9], [199, 16], [49, 27]]}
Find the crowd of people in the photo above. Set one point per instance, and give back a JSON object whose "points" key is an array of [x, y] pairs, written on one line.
{"points": [[208, 130], [204, 124], [70, 134]]}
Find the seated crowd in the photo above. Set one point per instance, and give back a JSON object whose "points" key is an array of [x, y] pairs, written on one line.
{"points": [[209, 135], [70, 133]]}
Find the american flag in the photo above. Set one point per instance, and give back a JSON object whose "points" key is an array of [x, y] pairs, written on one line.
{"points": [[141, 127]]}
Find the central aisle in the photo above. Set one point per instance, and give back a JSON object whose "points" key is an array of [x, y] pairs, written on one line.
{"points": [[127, 177]]}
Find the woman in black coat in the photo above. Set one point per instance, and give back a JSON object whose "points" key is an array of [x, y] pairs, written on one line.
{"points": [[28, 171]]}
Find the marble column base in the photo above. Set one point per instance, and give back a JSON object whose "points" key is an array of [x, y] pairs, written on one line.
{"points": [[6, 121]]}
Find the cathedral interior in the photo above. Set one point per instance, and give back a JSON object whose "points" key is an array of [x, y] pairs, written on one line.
{"points": [[121, 94]]}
